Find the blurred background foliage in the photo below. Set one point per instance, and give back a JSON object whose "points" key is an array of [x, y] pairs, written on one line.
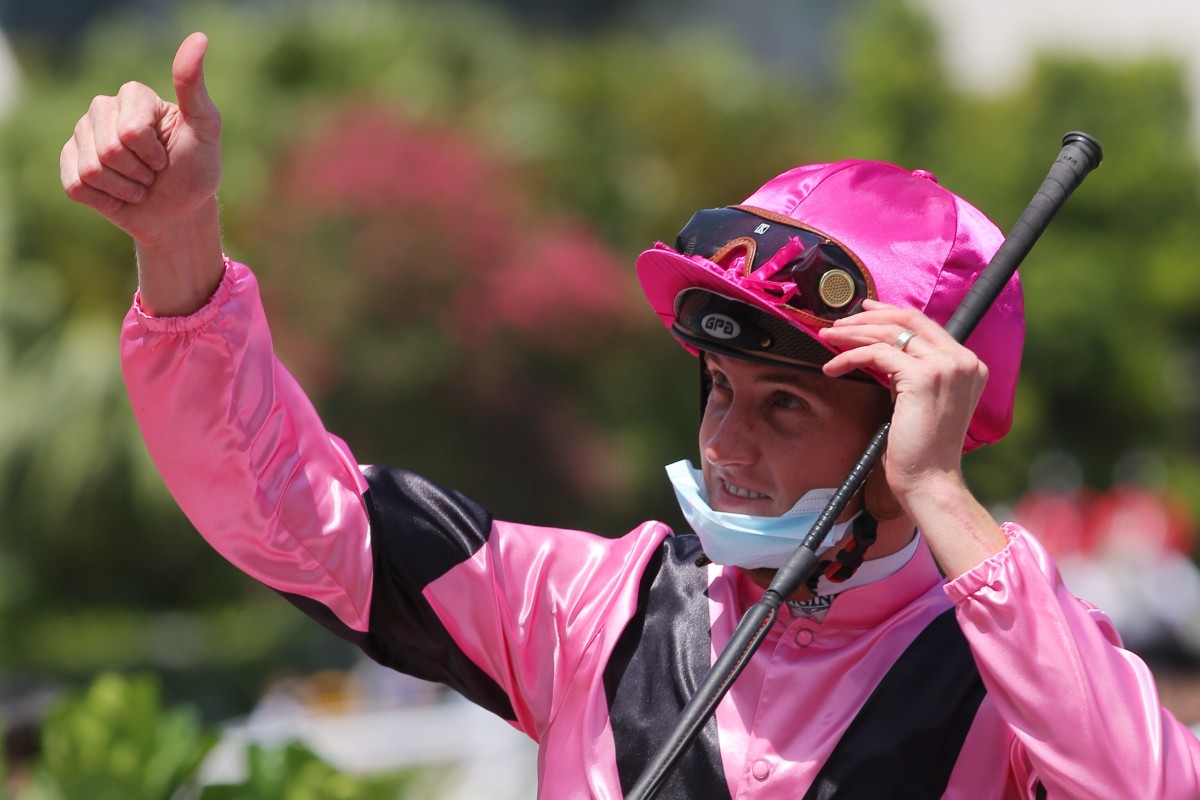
{"points": [[443, 206], [117, 740]]}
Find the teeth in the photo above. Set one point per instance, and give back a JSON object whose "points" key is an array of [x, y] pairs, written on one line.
{"points": [[739, 491]]}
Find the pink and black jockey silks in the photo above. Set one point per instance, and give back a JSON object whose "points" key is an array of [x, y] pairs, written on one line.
{"points": [[758, 279], [999, 685]]}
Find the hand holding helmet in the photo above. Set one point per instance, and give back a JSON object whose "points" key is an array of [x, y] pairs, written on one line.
{"points": [[935, 382]]}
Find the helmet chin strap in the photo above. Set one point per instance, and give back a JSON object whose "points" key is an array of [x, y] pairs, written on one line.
{"points": [[849, 557]]}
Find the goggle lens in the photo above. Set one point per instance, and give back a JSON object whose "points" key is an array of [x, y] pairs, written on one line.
{"points": [[806, 270]]}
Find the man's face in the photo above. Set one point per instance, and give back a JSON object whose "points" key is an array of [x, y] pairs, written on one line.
{"points": [[770, 434]]}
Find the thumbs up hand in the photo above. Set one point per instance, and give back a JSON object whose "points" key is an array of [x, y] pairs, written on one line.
{"points": [[152, 167], [144, 162]]}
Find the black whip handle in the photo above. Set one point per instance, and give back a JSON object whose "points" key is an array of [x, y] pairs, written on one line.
{"points": [[1080, 155]]}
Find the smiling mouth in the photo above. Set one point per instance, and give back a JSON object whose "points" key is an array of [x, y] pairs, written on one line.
{"points": [[741, 491]]}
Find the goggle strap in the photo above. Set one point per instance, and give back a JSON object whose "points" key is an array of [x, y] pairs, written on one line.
{"points": [[771, 215], [850, 556]]}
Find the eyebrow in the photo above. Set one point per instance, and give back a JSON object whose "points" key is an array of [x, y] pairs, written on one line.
{"points": [[797, 378]]}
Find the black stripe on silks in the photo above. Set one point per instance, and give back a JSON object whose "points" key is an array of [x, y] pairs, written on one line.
{"points": [[905, 740], [1041, 791], [419, 531], [430, 529], [659, 660]]}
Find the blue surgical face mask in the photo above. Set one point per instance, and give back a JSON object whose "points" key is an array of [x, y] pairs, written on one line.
{"points": [[744, 540]]}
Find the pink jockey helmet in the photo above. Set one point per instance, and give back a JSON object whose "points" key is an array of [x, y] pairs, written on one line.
{"points": [[757, 280]]}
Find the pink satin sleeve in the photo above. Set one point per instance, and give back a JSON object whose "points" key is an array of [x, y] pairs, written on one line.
{"points": [[244, 452], [1085, 712]]}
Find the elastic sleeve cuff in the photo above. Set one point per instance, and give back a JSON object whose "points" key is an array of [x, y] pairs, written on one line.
{"points": [[198, 318], [988, 574]]}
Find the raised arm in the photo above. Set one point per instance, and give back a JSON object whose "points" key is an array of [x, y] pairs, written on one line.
{"points": [[236, 440]]}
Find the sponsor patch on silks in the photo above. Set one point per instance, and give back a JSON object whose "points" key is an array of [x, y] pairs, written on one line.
{"points": [[815, 607]]}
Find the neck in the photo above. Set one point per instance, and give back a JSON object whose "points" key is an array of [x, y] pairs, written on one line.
{"points": [[892, 537]]}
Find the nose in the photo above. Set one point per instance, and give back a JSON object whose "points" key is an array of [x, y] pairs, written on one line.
{"points": [[728, 437]]}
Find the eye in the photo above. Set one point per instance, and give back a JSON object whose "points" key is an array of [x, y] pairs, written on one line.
{"points": [[787, 400], [719, 381], [720, 392]]}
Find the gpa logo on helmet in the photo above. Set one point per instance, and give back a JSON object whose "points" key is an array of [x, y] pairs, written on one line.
{"points": [[720, 326]]}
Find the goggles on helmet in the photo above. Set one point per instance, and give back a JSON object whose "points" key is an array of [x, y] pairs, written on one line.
{"points": [[802, 270]]}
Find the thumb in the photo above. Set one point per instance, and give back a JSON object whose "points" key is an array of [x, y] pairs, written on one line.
{"points": [[188, 75]]}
